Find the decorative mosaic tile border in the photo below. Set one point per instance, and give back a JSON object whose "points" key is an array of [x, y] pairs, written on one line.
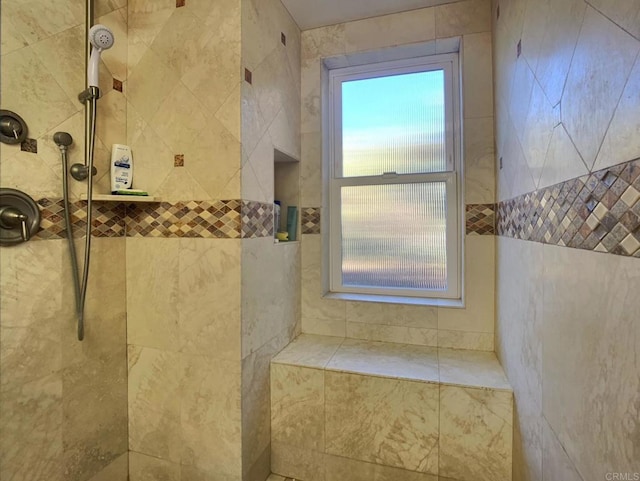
{"points": [[599, 212], [310, 220], [219, 219], [227, 219], [480, 219], [108, 219], [257, 219]]}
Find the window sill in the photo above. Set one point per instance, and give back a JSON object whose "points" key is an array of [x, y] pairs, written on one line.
{"points": [[415, 301]]}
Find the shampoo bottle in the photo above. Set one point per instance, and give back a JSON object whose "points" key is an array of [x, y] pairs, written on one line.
{"points": [[121, 168]]}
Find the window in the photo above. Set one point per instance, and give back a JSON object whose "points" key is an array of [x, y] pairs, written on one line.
{"points": [[394, 206]]}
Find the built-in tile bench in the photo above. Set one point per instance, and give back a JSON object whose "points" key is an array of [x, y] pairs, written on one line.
{"points": [[352, 410]]}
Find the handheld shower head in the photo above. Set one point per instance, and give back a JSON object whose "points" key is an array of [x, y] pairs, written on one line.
{"points": [[101, 38]]}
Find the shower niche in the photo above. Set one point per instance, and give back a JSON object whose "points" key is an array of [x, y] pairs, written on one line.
{"points": [[286, 189]]}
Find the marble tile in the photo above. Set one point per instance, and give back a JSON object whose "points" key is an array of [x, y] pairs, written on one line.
{"points": [[400, 361], [475, 434], [193, 473], [423, 317], [587, 107], [180, 40], [147, 144], [470, 16], [563, 26], [539, 128], [111, 126], [471, 369], [563, 162], [31, 310], [310, 93], [94, 409], [322, 42], [480, 341], [297, 407], [208, 306], [397, 334], [339, 469], [622, 141], [11, 38], [520, 100], [311, 169], [479, 161], [589, 335], [384, 421], [313, 304], [148, 468], [180, 185], [31, 423], [35, 93], [557, 464], [37, 20], [390, 30], [118, 470], [211, 71], [515, 173], [533, 30], [477, 76], [149, 84], [213, 158], [309, 350], [63, 56], [519, 345], [625, 14], [178, 119], [297, 463], [145, 20], [512, 13], [324, 327], [102, 7], [155, 382], [153, 291], [256, 408], [270, 303], [478, 313], [275, 477], [257, 172], [210, 412]]}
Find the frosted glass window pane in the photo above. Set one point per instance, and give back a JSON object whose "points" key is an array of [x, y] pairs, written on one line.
{"points": [[394, 124], [394, 236]]}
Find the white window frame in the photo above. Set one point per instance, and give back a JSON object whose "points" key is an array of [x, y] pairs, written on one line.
{"points": [[449, 63]]}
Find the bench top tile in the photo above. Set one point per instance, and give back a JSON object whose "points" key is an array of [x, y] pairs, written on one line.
{"points": [[471, 369], [401, 361], [456, 367], [309, 351]]}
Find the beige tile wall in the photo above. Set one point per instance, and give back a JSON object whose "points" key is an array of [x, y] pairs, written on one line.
{"points": [[270, 272], [566, 319], [63, 408], [471, 327]]}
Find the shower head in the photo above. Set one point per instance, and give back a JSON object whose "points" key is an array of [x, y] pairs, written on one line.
{"points": [[62, 139], [101, 38]]}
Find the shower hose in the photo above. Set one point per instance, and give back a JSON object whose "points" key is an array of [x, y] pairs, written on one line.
{"points": [[80, 285]]}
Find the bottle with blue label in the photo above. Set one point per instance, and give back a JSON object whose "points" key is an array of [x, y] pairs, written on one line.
{"points": [[121, 168]]}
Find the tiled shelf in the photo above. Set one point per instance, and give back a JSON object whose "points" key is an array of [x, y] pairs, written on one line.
{"points": [[120, 198]]}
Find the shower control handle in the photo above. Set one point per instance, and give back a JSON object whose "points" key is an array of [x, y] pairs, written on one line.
{"points": [[10, 218], [19, 217]]}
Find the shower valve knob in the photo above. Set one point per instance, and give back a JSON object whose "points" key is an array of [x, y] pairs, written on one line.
{"points": [[19, 217]]}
